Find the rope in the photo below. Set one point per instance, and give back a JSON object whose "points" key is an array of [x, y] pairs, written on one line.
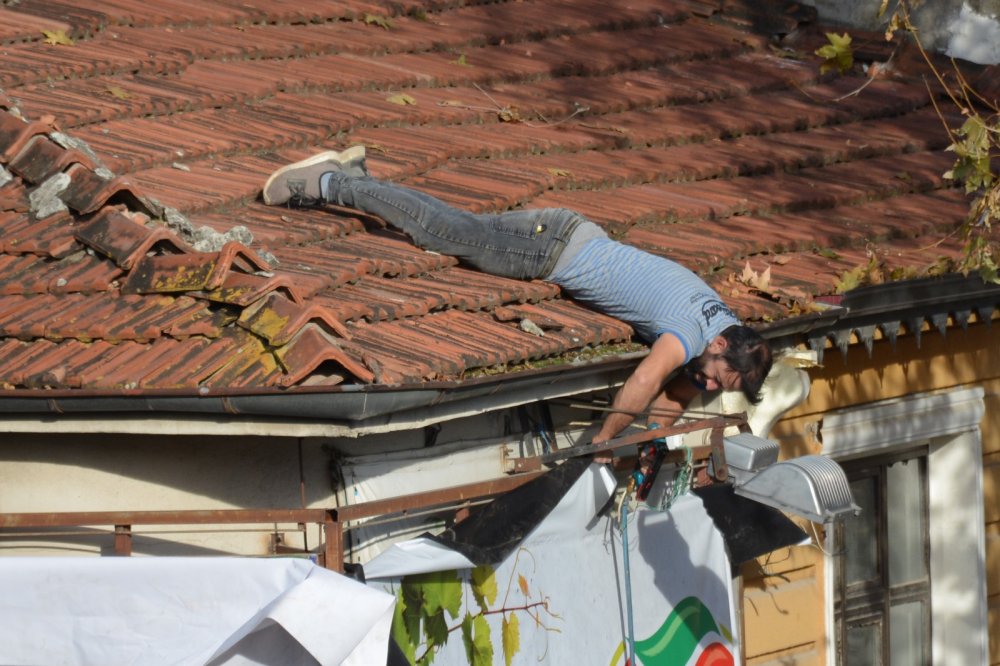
{"points": [[628, 584], [681, 482]]}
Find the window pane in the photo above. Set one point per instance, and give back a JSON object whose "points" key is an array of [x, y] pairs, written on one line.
{"points": [[906, 634], [864, 645], [904, 487], [860, 546]]}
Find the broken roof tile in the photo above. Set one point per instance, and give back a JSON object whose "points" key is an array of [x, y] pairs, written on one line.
{"points": [[16, 134], [118, 235], [88, 191], [41, 158]]}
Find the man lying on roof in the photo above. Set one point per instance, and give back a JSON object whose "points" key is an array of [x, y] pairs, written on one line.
{"points": [[669, 306]]}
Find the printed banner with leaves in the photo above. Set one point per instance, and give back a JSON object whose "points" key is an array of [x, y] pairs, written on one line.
{"points": [[560, 597]]}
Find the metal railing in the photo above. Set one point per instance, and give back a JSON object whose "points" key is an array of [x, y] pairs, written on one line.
{"points": [[330, 521]]}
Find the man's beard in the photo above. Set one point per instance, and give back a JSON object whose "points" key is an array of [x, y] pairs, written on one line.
{"points": [[695, 371]]}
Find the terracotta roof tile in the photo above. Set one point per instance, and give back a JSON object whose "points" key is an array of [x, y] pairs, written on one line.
{"points": [[136, 253]]}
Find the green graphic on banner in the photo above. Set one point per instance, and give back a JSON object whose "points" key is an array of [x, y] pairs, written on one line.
{"points": [[677, 639]]}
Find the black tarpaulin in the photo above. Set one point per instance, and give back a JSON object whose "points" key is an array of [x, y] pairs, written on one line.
{"points": [[750, 529], [494, 530]]}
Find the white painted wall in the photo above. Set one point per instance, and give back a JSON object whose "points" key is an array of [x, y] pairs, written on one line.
{"points": [[966, 29], [67, 472]]}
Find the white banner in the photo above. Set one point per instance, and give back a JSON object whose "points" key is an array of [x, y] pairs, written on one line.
{"points": [[562, 596]]}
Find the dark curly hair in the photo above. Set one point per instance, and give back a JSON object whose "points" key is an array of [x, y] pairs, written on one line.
{"points": [[749, 355]]}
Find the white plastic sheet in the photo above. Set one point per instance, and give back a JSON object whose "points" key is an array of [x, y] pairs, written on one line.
{"points": [[151, 611]]}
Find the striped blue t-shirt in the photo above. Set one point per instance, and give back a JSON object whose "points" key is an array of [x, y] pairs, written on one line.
{"points": [[652, 294]]}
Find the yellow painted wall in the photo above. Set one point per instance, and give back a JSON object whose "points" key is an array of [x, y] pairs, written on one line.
{"points": [[784, 596]]}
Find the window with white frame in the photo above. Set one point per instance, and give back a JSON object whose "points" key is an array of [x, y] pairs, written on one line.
{"points": [[906, 578], [882, 569]]}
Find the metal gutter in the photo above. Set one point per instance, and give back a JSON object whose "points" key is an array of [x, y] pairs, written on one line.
{"points": [[341, 411]]}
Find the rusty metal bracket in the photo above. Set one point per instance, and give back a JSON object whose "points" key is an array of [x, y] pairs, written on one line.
{"points": [[720, 471], [715, 423]]}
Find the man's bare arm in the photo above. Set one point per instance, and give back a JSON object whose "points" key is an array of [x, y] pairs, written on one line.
{"points": [[672, 401], [639, 390]]}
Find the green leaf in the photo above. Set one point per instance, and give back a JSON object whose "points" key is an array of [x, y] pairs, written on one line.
{"points": [[436, 629], [837, 55], [482, 646], [510, 638], [467, 636], [441, 589], [460, 60], [401, 633], [484, 586], [476, 638]]}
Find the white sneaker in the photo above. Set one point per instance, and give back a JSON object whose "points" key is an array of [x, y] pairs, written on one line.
{"points": [[298, 184]]}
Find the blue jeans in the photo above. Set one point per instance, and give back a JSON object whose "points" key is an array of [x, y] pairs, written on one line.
{"points": [[521, 244]]}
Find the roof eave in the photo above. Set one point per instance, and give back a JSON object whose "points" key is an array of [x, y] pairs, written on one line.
{"points": [[347, 411], [891, 308]]}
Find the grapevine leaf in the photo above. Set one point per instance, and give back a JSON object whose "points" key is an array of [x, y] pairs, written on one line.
{"points": [[117, 92], [482, 646], [510, 638], [484, 586], [412, 600], [467, 636], [441, 589], [401, 631], [436, 629]]}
